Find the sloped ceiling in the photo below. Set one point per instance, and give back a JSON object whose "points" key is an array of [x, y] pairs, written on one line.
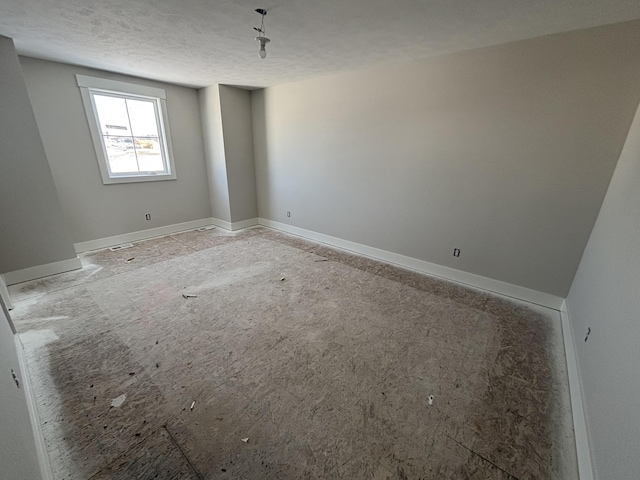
{"points": [[202, 42]]}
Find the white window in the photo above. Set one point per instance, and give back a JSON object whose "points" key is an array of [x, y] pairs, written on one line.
{"points": [[129, 128]]}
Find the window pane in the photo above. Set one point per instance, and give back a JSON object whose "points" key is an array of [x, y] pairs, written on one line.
{"points": [[121, 154], [142, 115], [112, 115], [149, 154]]}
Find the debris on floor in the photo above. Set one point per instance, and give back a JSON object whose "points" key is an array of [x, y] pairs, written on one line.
{"points": [[245, 440], [131, 259], [430, 399], [189, 295], [118, 401], [282, 279], [322, 260], [131, 374], [192, 405]]}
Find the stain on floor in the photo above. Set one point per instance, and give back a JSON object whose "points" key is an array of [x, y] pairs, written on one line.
{"points": [[327, 373]]}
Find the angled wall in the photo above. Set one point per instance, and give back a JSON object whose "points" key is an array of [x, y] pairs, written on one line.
{"points": [[227, 129], [604, 298], [33, 229], [214, 153], [503, 152]]}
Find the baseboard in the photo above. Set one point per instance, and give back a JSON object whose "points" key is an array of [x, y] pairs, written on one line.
{"points": [[39, 271], [446, 273], [100, 243], [235, 225], [38, 435], [585, 467]]}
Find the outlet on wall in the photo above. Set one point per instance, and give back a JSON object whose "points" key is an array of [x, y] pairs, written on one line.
{"points": [[147, 216], [288, 214], [456, 252]]}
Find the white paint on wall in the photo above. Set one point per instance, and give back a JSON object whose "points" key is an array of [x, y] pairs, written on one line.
{"points": [[216, 166], [33, 229], [19, 458], [604, 298], [95, 210], [235, 107], [504, 152]]}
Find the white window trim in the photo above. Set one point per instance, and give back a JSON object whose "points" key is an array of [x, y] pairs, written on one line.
{"points": [[112, 86]]}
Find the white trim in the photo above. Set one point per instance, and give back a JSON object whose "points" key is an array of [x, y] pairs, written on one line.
{"points": [[38, 435], [585, 467], [39, 271], [106, 242], [250, 222], [232, 227], [451, 274], [90, 85], [116, 86], [4, 294], [221, 223]]}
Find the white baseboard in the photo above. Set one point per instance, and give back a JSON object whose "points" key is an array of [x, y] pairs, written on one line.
{"points": [[39, 271], [585, 467], [421, 266], [38, 435], [235, 225], [100, 243]]}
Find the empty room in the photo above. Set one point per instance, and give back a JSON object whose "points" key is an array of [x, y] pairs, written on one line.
{"points": [[319, 240]]}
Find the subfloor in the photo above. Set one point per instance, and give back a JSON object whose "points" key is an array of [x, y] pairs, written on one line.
{"points": [[293, 361]]}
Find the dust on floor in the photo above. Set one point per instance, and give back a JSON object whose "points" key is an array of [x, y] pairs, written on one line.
{"points": [[291, 360]]}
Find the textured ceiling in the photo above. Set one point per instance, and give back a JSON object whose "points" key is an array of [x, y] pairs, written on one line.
{"points": [[202, 42]]}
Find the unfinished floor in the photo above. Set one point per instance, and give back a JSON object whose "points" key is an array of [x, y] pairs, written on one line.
{"points": [[323, 360]]}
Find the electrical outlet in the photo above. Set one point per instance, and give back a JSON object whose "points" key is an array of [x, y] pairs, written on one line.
{"points": [[147, 216], [288, 214], [456, 252]]}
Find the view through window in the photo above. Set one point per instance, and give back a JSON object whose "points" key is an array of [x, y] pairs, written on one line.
{"points": [[130, 132]]}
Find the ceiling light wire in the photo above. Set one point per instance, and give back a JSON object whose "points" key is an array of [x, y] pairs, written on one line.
{"points": [[261, 38]]}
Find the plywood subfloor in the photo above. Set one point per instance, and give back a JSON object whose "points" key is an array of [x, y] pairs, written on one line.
{"points": [[323, 360]]}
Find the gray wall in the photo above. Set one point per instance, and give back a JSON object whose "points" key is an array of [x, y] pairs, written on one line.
{"points": [[33, 230], [605, 297], [228, 139], [235, 107], [504, 152], [95, 210], [213, 137], [18, 457]]}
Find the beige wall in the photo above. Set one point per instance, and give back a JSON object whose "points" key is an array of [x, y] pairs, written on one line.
{"points": [[95, 210], [504, 152], [604, 297], [33, 230]]}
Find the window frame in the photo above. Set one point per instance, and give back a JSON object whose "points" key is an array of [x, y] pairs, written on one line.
{"points": [[90, 85]]}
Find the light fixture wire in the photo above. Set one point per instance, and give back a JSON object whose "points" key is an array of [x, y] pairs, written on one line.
{"points": [[261, 34]]}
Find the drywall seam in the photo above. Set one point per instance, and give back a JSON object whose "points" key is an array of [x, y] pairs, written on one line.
{"points": [[250, 222], [140, 235], [421, 266], [39, 271], [38, 435], [585, 467]]}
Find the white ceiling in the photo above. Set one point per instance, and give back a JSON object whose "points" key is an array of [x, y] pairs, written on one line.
{"points": [[202, 42]]}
